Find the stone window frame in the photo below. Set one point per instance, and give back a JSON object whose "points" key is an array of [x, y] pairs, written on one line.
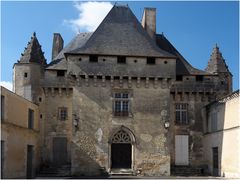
{"points": [[182, 109], [62, 113], [122, 99]]}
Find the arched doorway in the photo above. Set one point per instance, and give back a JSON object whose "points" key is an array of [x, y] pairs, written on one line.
{"points": [[122, 149]]}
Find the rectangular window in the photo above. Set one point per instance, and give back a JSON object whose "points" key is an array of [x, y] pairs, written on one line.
{"points": [[60, 73], [2, 107], [93, 58], [181, 114], [30, 118], [151, 60], [25, 74], [121, 59], [214, 121], [121, 104], [62, 113]]}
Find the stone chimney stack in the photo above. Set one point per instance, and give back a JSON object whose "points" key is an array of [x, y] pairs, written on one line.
{"points": [[149, 21], [57, 44]]}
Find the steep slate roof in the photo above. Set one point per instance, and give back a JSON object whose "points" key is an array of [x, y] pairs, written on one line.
{"points": [[60, 62], [120, 33], [33, 52], [182, 66], [216, 62]]}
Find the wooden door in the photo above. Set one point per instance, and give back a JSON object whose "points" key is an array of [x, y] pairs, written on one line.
{"points": [[59, 151]]}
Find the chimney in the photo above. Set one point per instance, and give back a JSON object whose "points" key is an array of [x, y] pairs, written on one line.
{"points": [[149, 21], [57, 44]]}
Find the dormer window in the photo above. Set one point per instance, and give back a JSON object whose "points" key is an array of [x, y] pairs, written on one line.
{"points": [[199, 78], [121, 59], [93, 58], [151, 60], [60, 73]]}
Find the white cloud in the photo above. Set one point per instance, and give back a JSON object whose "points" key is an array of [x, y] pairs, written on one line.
{"points": [[90, 15], [7, 85]]}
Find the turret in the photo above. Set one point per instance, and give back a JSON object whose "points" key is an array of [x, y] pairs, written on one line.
{"points": [[217, 65], [28, 71]]}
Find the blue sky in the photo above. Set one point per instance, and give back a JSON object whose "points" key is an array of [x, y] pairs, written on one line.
{"points": [[192, 27]]}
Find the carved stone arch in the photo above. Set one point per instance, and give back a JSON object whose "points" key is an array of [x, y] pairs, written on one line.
{"points": [[122, 135]]}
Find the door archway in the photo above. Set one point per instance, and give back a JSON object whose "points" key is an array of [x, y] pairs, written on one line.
{"points": [[122, 149]]}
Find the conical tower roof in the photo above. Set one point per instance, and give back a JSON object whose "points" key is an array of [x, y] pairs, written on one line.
{"points": [[33, 52], [216, 63]]}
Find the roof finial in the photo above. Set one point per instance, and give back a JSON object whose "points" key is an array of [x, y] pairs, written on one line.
{"points": [[216, 45], [34, 34]]}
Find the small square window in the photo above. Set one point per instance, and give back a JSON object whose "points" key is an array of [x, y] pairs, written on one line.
{"points": [[151, 60], [60, 73], [93, 58], [25, 74], [121, 59]]}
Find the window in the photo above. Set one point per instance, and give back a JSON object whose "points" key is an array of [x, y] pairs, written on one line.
{"points": [[151, 60], [181, 114], [121, 104], [25, 74], [93, 58], [214, 121], [2, 107], [199, 78], [62, 113], [121, 59], [179, 78], [60, 73], [30, 118]]}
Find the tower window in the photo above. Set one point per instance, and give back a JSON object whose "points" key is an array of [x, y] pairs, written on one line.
{"points": [[121, 59], [25, 74], [62, 113], [93, 58], [151, 60], [60, 73], [181, 114]]}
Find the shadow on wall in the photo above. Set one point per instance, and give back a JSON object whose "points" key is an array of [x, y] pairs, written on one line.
{"points": [[84, 162]]}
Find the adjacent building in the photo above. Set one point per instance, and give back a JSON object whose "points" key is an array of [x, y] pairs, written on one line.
{"points": [[120, 100], [20, 155], [222, 136]]}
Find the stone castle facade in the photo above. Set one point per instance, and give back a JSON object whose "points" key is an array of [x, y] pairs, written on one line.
{"points": [[120, 99]]}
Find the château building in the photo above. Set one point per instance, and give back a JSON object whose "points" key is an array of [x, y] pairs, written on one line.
{"points": [[120, 100]]}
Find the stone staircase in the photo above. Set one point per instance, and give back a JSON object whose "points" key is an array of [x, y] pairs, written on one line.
{"points": [[187, 171], [55, 171]]}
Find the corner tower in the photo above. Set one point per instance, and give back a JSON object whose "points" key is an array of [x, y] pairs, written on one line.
{"points": [[217, 66], [28, 71]]}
